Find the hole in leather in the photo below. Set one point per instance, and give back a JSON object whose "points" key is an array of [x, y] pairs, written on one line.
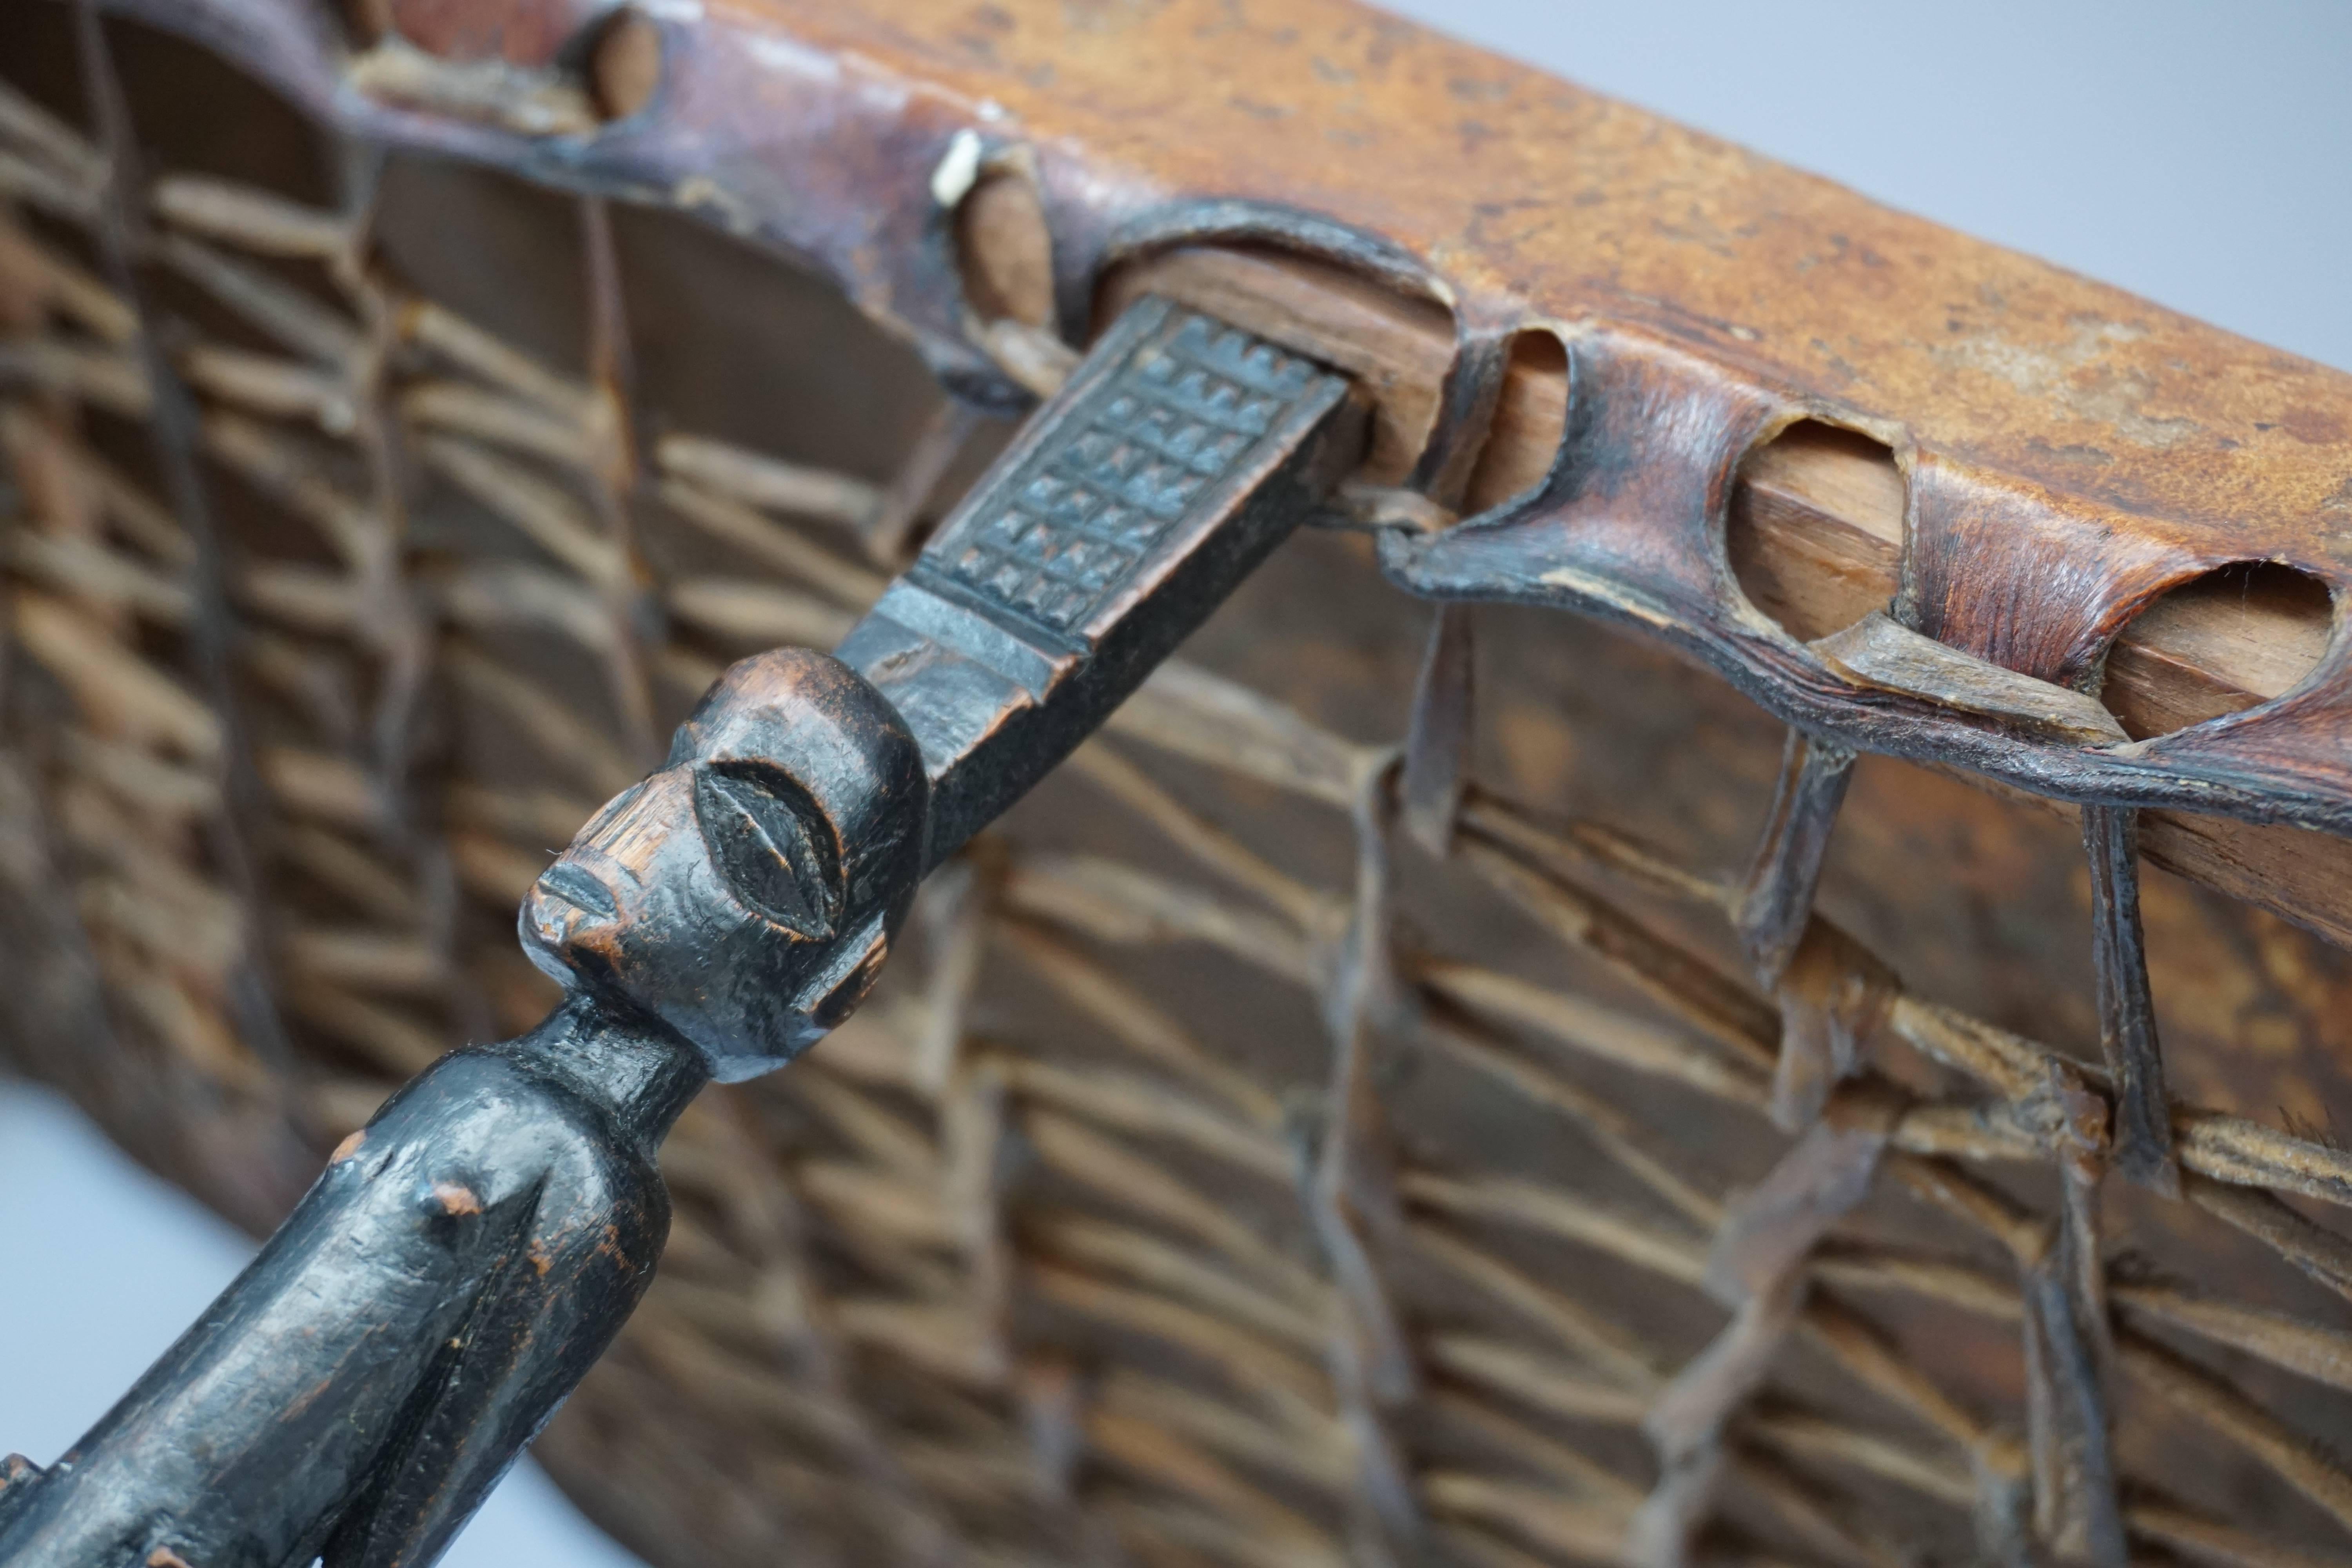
{"points": [[624, 64], [1005, 251], [1530, 422], [1815, 530], [2222, 643]]}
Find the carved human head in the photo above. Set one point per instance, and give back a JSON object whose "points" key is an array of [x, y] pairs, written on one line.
{"points": [[746, 893]]}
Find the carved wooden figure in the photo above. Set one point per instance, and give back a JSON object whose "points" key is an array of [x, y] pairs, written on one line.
{"points": [[470, 1252], [1685, 1141]]}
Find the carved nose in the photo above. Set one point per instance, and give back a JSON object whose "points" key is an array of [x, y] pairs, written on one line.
{"points": [[574, 886], [567, 912]]}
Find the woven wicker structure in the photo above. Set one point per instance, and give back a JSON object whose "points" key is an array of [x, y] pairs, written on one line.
{"points": [[1225, 1180]]}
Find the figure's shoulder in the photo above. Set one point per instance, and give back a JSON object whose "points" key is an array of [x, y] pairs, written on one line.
{"points": [[18, 1475], [487, 1126]]}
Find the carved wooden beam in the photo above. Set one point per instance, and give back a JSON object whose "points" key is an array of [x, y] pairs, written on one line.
{"points": [[1431, 216], [1817, 538]]}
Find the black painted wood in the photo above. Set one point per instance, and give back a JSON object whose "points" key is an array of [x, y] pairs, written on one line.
{"points": [[362, 1386], [462, 1261]]}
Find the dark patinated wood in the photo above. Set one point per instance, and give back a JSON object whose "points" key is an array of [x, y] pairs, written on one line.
{"points": [[1123, 515], [370, 1376], [467, 1255]]}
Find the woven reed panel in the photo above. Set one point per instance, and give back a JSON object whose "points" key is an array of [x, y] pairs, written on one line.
{"points": [[1220, 1178]]}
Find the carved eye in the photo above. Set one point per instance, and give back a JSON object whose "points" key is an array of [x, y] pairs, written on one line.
{"points": [[771, 843]]}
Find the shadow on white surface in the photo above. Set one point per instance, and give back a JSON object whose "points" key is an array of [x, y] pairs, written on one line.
{"points": [[102, 1266]]}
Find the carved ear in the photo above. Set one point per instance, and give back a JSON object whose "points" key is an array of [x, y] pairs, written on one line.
{"points": [[771, 840]]}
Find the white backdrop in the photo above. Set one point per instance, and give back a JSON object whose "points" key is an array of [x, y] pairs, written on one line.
{"points": [[2198, 153]]}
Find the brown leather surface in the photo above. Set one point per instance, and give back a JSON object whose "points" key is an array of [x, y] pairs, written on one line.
{"points": [[2080, 450]]}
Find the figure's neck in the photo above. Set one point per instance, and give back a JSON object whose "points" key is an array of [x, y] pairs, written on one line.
{"points": [[618, 1057]]}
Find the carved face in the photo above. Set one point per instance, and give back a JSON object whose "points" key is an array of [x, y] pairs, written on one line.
{"points": [[746, 894]]}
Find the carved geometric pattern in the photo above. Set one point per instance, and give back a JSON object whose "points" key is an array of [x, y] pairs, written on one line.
{"points": [[1085, 510]]}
